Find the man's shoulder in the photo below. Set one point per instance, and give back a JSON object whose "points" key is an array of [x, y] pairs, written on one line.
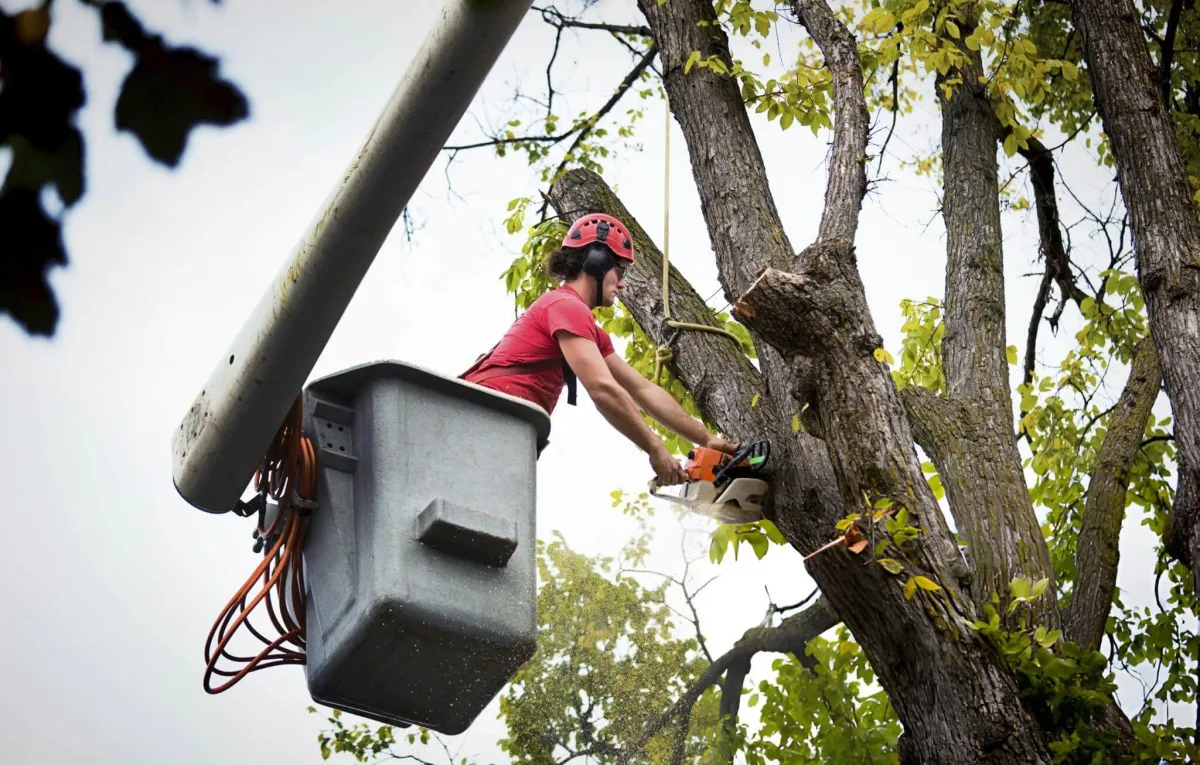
{"points": [[560, 300]]}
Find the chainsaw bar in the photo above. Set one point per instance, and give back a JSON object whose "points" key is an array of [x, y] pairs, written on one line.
{"points": [[725, 512]]}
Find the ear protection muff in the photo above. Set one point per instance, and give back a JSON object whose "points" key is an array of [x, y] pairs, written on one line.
{"points": [[598, 260]]}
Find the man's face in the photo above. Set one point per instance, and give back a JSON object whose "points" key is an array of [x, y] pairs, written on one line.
{"points": [[614, 281]]}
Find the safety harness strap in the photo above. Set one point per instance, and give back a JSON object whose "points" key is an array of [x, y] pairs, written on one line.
{"points": [[524, 369]]}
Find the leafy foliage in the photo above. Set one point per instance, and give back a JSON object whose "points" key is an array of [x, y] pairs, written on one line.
{"points": [[608, 657], [167, 93], [823, 707]]}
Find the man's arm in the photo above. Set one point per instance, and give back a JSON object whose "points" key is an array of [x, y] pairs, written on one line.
{"points": [[662, 406], [615, 404]]}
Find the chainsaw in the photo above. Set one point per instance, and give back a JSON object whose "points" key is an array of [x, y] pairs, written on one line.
{"points": [[724, 486]]}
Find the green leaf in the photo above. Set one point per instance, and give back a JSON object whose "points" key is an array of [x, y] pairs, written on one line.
{"points": [[1019, 588], [758, 543], [892, 565], [1010, 145], [796, 422], [1011, 354], [910, 589], [883, 357], [754, 400], [927, 584], [691, 60], [772, 531], [1039, 587]]}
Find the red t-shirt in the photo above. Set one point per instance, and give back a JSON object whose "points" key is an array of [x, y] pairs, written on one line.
{"points": [[531, 339]]}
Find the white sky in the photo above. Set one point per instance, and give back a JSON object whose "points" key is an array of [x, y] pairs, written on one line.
{"points": [[112, 580]]}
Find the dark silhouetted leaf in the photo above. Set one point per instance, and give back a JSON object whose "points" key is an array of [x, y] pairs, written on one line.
{"points": [[38, 101], [169, 91], [32, 243]]}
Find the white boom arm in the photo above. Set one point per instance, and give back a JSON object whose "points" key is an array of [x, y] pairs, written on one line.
{"points": [[223, 436]]}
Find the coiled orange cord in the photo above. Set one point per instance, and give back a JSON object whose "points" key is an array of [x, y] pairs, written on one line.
{"points": [[287, 475]]}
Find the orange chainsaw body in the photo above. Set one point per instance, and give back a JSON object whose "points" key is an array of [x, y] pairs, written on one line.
{"points": [[703, 463]]}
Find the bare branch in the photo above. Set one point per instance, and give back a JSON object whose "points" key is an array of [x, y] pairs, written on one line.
{"points": [[1058, 263], [1097, 553], [590, 124], [1168, 52], [894, 79], [1035, 322], [555, 18], [581, 130]]}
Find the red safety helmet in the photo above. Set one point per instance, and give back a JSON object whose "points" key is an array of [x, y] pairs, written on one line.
{"points": [[605, 229]]}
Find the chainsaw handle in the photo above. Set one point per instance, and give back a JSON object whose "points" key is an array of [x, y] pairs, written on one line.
{"points": [[743, 452]]}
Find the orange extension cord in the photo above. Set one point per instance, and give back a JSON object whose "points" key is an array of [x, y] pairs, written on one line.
{"points": [[287, 475]]}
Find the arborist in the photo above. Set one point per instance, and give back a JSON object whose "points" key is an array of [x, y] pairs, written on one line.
{"points": [[558, 341]]}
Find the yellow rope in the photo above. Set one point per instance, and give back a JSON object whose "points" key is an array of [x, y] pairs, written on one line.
{"points": [[663, 354]]}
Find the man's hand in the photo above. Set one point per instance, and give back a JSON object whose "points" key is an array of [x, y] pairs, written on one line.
{"points": [[667, 470], [720, 444]]}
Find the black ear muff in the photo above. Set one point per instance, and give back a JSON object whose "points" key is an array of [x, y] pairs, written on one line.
{"points": [[598, 261]]}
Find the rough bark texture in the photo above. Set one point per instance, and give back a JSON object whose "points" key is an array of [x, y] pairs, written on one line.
{"points": [[972, 442], [958, 703], [1097, 553], [847, 184], [1162, 214]]}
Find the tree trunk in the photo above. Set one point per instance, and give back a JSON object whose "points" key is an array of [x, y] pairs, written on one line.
{"points": [[972, 443], [1162, 214]]}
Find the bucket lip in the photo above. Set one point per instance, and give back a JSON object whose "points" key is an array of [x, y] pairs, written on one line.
{"points": [[347, 382]]}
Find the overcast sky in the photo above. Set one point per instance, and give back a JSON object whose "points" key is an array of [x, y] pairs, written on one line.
{"points": [[111, 580]]}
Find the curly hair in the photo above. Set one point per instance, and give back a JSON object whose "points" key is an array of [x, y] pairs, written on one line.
{"points": [[565, 263]]}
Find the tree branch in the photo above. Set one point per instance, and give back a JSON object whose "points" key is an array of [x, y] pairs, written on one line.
{"points": [[1097, 553], [580, 130], [978, 458], [1178, 539], [791, 636], [1035, 323], [1157, 195], [590, 124], [1168, 53], [555, 18], [1058, 262], [847, 183]]}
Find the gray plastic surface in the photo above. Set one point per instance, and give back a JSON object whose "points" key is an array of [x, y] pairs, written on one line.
{"points": [[420, 559]]}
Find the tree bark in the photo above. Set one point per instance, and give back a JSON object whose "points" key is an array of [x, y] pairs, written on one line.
{"points": [[1097, 552], [1163, 216], [976, 455]]}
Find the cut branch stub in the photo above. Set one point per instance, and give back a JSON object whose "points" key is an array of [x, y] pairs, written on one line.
{"points": [[819, 316]]}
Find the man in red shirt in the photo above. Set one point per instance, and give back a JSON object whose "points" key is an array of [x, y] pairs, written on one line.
{"points": [[557, 340]]}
